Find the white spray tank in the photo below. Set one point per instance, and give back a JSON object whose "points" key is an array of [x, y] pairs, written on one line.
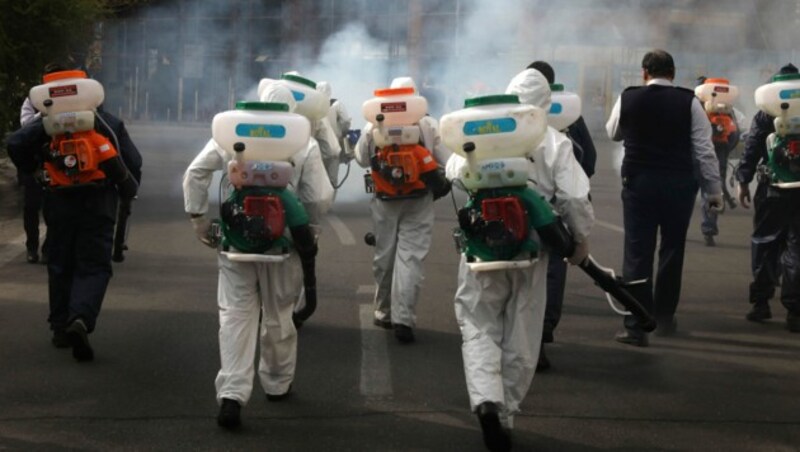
{"points": [[261, 137], [311, 103], [494, 134], [781, 99], [394, 113], [68, 101], [565, 107], [717, 95]]}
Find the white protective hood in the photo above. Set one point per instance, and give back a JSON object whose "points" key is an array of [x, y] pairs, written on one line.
{"points": [[404, 82], [275, 92], [324, 88], [532, 88]]}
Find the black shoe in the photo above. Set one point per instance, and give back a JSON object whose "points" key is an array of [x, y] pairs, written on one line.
{"points": [[385, 324], [543, 363], [547, 334], [32, 257], [668, 327], [229, 414], [298, 322], [279, 397], [632, 338], [710, 240], [79, 339], [793, 322], [759, 312], [495, 437], [403, 333], [60, 339]]}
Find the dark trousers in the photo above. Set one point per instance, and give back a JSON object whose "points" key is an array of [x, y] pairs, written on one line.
{"points": [[776, 246], [79, 268], [32, 204], [556, 283], [766, 245], [656, 203], [710, 217]]}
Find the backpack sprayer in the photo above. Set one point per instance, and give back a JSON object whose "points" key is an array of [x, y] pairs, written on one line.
{"points": [[781, 99], [79, 156], [401, 167], [504, 221], [262, 137], [717, 96]]}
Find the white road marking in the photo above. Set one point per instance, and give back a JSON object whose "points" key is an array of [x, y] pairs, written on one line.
{"points": [[376, 375], [345, 236]]}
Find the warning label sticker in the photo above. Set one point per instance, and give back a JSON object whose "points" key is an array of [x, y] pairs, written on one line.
{"points": [[393, 107], [63, 91]]}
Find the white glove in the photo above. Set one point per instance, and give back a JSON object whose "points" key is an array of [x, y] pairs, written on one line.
{"points": [[580, 254], [714, 203], [202, 229]]}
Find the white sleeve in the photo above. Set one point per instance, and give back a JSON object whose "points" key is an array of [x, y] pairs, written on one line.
{"points": [[571, 190], [363, 149], [612, 126], [314, 187], [705, 159], [198, 177], [342, 118], [328, 142], [433, 140], [27, 113]]}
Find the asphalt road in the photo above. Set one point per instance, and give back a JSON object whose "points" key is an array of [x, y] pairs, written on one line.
{"points": [[722, 384]]}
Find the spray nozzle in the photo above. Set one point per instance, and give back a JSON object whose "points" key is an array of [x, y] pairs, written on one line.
{"points": [[380, 117], [469, 148], [48, 102], [238, 147], [785, 106]]}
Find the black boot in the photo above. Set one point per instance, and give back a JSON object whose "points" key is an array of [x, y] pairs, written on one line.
{"points": [[495, 437], [403, 333], [229, 416], [78, 336], [759, 312], [543, 363]]}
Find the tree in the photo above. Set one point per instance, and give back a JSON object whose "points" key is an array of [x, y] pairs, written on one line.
{"points": [[34, 33]]}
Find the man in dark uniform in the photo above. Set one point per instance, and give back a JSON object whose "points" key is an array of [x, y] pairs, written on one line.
{"points": [[666, 135], [80, 225], [586, 155], [773, 227]]}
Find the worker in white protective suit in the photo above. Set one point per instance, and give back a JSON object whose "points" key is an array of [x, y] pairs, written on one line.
{"points": [[247, 289], [501, 313], [403, 230], [338, 120]]}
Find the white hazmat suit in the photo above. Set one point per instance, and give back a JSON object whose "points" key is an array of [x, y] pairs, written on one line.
{"points": [[245, 288], [403, 230], [338, 123], [501, 313]]}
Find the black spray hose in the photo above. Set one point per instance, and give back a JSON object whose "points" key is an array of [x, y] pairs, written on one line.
{"points": [[558, 238], [306, 246]]}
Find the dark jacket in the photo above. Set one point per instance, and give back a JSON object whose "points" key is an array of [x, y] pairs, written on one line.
{"points": [[583, 145], [755, 147], [28, 145], [656, 126]]}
